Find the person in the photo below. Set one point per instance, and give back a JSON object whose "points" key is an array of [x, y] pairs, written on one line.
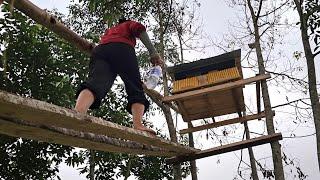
{"points": [[115, 55]]}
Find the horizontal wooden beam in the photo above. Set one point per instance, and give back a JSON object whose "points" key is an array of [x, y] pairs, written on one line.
{"points": [[223, 123], [69, 137], [42, 113], [226, 148], [49, 21], [221, 87]]}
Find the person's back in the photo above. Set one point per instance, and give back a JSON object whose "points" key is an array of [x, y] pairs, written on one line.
{"points": [[125, 32]]}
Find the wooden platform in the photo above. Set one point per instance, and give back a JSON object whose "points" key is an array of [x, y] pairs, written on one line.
{"points": [[13, 107], [226, 148], [79, 139], [213, 101]]}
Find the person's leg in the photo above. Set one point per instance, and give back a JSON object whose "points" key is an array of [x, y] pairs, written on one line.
{"points": [[127, 68], [84, 101], [100, 79], [137, 110]]}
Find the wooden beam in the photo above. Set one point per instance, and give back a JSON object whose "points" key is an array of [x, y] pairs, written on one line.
{"points": [[157, 97], [223, 123], [69, 137], [49, 21], [42, 113], [226, 148], [216, 88]]}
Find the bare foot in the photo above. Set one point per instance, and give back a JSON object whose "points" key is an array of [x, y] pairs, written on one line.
{"points": [[147, 130]]}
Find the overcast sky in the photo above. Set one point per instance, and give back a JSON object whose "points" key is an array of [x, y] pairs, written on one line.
{"points": [[217, 17]]}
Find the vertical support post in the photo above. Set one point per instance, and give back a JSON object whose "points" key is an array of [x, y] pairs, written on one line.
{"points": [[258, 96], [193, 162], [250, 150]]}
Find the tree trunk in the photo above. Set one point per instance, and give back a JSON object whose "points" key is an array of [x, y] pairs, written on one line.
{"points": [[165, 109], [275, 146], [312, 81], [92, 164], [193, 165]]}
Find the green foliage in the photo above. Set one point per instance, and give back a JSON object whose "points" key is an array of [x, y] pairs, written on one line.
{"points": [[312, 15], [112, 10], [42, 66]]}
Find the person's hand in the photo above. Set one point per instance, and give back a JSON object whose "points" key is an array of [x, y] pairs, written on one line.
{"points": [[156, 60]]}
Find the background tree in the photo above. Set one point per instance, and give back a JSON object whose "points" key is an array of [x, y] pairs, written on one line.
{"points": [[309, 14]]}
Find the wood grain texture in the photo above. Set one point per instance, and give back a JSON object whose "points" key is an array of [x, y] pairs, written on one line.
{"points": [[69, 137], [42, 113]]}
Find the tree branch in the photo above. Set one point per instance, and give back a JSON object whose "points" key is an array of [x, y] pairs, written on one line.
{"points": [[260, 7], [288, 103]]}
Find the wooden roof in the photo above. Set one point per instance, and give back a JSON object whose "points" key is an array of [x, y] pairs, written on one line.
{"points": [[202, 66]]}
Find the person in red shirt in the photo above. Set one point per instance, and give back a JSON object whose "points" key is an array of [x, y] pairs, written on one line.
{"points": [[115, 55]]}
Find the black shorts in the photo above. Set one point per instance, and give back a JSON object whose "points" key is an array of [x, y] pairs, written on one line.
{"points": [[108, 61]]}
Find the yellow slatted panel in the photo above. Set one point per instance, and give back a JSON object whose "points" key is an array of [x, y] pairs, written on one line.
{"points": [[185, 84], [223, 75], [213, 77]]}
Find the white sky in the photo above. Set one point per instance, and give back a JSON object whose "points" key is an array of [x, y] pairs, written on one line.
{"points": [[216, 18]]}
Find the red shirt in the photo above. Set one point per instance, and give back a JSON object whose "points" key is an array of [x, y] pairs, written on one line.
{"points": [[126, 32]]}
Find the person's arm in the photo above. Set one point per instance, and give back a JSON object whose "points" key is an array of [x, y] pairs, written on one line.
{"points": [[154, 56]]}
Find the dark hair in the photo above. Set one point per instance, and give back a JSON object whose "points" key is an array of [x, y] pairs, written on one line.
{"points": [[122, 20]]}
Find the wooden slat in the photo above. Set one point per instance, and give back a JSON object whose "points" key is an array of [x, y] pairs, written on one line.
{"points": [[78, 139], [42, 113], [212, 89], [183, 111], [223, 123], [236, 102], [218, 112], [212, 104], [226, 148]]}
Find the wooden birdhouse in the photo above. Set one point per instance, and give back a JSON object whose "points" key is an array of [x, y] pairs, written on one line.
{"points": [[215, 71]]}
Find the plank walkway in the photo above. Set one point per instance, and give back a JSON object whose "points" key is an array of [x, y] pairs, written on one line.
{"points": [[13, 107], [74, 138]]}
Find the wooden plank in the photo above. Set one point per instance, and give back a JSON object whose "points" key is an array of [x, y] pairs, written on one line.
{"points": [[18, 128], [226, 148], [223, 123], [236, 102], [42, 113], [217, 88], [218, 112], [183, 111]]}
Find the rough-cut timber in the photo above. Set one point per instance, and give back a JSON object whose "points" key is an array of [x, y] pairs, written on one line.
{"points": [[42, 113], [226, 148], [223, 123], [19, 128], [217, 88]]}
